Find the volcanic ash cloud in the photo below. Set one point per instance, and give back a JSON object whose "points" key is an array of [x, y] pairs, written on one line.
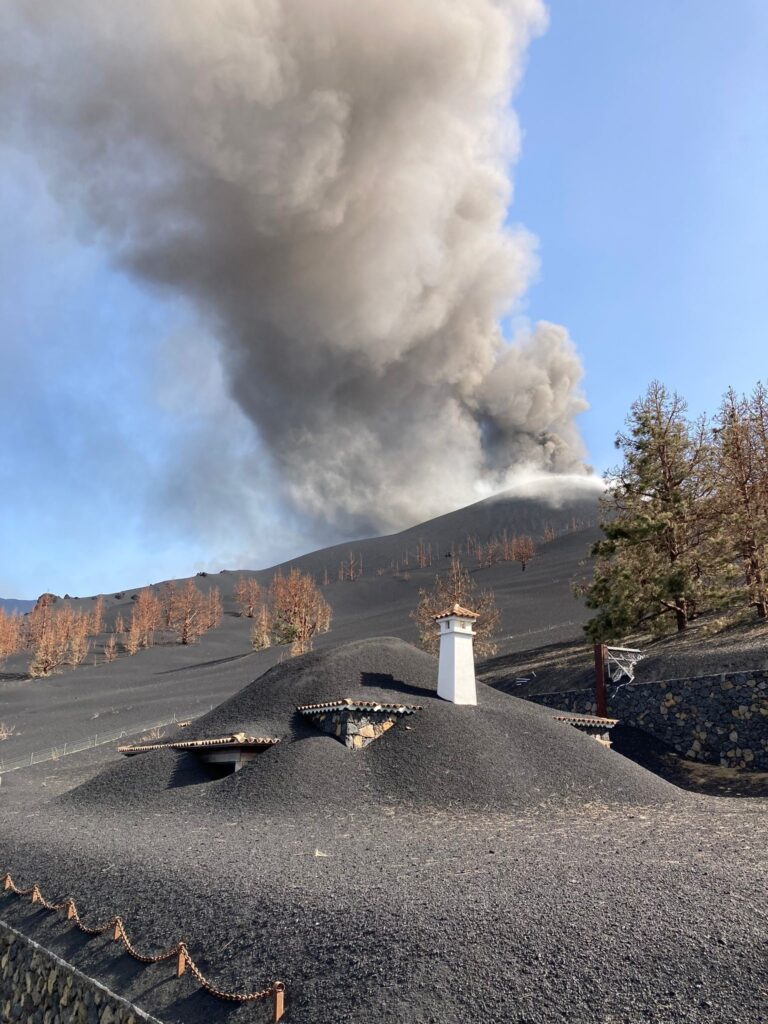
{"points": [[327, 183]]}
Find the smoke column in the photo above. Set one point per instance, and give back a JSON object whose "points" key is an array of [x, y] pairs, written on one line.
{"points": [[326, 181]]}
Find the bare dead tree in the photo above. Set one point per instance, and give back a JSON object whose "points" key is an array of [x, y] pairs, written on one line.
{"points": [[215, 610], [423, 555], [523, 550], [110, 648], [457, 587], [10, 634], [261, 634], [247, 595], [298, 611], [352, 568], [189, 621], [147, 618]]}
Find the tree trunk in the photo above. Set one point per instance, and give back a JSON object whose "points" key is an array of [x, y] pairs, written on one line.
{"points": [[681, 615]]}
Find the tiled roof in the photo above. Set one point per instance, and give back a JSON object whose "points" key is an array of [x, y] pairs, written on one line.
{"points": [[347, 704], [456, 609], [606, 723], [237, 740]]}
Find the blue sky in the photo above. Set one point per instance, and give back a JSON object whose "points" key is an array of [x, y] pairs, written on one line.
{"points": [[643, 170]]}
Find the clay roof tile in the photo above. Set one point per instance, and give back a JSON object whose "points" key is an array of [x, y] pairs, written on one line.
{"points": [[456, 609]]}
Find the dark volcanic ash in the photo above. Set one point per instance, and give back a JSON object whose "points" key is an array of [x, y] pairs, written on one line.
{"points": [[327, 183]]}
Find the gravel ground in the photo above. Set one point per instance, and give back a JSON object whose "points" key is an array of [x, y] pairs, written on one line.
{"points": [[485, 864], [599, 915]]}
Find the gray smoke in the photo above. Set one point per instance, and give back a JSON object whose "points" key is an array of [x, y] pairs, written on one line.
{"points": [[326, 181]]}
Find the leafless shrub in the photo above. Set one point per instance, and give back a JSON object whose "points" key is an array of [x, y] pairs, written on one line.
{"points": [[6, 730], [153, 736], [110, 648]]}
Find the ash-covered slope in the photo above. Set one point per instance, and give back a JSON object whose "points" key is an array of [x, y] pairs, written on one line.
{"points": [[504, 754], [132, 693], [491, 517]]}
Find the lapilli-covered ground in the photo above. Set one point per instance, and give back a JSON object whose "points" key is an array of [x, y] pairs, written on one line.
{"points": [[485, 864]]}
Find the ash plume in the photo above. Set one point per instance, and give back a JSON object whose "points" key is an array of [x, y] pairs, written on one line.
{"points": [[326, 182]]}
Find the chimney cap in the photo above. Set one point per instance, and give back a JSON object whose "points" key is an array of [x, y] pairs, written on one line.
{"points": [[456, 610]]}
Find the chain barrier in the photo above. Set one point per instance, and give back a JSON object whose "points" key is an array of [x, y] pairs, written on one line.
{"points": [[183, 959]]}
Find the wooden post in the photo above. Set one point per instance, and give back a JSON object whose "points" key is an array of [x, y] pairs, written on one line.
{"points": [[71, 910], [181, 962], [117, 934], [601, 702], [279, 989]]}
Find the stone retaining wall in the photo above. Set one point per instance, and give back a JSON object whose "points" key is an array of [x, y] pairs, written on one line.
{"points": [[711, 718], [37, 987]]}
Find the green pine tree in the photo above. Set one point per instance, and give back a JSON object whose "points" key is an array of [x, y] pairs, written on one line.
{"points": [[657, 562]]}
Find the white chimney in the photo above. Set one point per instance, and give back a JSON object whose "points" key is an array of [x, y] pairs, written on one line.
{"points": [[456, 670]]}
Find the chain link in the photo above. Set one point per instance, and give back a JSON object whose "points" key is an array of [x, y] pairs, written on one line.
{"points": [[245, 997], [37, 897], [143, 958], [10, 885], [179, 950]]}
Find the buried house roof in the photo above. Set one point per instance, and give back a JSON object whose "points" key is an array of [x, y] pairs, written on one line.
{"points": [[236, 740], [347, 704], [594, 720], [456, 609]]}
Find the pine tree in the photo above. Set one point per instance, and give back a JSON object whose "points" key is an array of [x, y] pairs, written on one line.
{"points": [[742, 489], [658, 559]]}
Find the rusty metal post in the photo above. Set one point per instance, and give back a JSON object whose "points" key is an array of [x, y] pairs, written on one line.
{"points": [[601, 702], [279, 990]]}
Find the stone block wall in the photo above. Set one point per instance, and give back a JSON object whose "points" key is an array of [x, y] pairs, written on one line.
{"points": [[355, 729], [722, 718], [36, 987]]}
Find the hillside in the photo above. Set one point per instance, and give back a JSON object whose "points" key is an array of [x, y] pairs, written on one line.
{"points": [[133, 692], [11, 604]]}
